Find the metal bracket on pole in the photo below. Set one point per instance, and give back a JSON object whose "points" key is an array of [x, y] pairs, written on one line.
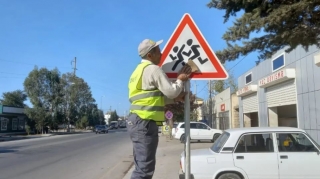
{"points": [[187, 131]]}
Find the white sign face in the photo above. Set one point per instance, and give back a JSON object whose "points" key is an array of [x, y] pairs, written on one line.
{"points": [[186, 47], [187, 42]]}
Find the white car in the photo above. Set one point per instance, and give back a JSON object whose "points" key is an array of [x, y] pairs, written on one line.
{"points": [[257, 153], [198, 131]]}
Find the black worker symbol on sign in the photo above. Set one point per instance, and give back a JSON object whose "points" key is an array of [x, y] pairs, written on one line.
{"points": [[180, 52]]}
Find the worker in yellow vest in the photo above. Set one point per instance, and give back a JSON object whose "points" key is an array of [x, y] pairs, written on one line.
{"points": [[149, 91]]}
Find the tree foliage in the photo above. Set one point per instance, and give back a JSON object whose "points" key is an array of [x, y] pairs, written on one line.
{"points": [[77, 98], [43, 89], [14, 98], [286, 23], [178, 109], [220, 85], [83, 123], [60, 99], [113, 116]]}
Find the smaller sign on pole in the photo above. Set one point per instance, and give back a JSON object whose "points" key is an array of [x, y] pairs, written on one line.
{"points": [[169, 115]]}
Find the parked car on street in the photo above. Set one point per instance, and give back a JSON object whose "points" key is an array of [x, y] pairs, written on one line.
{"points": [[173, 132], [101, 129], [198, 131], [257, 152]]}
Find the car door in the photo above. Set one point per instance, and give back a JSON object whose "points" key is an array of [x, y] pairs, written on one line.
{"points": [[255, 155], [298, 156], [194, 132], [204, 131]]}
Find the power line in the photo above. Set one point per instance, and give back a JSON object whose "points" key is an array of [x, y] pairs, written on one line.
{"points": [[12, 73], [19, 62], [202, 89], [237, 63]]}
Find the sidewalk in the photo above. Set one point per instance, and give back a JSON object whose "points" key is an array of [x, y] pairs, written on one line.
{"points": [[168, 158]]}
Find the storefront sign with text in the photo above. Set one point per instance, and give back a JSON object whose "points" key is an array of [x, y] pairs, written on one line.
{"points": [[277, 77]]}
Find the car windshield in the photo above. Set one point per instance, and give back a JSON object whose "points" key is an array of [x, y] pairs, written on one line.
{"points": [[218, 144]]}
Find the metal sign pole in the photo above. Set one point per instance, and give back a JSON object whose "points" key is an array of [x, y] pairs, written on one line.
{"points": [[187, 131]]}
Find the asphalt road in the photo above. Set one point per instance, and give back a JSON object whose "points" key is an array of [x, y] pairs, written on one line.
{"points": [[78, 156]]}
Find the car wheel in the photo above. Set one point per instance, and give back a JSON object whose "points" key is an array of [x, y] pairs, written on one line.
{"points": [[215, 137], [229, 176], [183, 138]]}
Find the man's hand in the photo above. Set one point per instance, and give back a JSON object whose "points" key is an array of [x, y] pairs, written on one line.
{"points": [[184, 73]]}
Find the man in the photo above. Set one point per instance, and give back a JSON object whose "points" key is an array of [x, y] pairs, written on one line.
{"points": [[149, 91]]}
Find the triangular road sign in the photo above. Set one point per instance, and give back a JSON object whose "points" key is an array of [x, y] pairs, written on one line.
{"points": [[187, 42]]}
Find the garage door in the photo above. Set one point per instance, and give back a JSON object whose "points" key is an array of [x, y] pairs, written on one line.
{"points": [[282, 94], [250, 103]]}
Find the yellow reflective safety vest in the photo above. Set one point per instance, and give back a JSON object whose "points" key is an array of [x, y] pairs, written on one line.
{"points": [[147, 104]]}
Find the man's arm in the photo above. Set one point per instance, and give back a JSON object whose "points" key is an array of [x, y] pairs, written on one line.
{"points": [[161, 81], [168, 100]]}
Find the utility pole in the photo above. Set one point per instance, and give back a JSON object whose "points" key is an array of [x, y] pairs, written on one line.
{"points": [[210, 104], [74, 62]]}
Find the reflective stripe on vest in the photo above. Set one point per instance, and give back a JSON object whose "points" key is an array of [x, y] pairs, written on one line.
{"points": [[147, 104], [145, 95]]}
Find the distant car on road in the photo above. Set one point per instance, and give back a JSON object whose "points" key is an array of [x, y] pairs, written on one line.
{"points": [[114, 125], [122, 124], [102, 129], [256, 152]]}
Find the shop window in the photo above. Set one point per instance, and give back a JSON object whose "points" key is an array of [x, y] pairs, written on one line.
{"points": [[295, 142], [278, 63], [249, 78], [14, 124], [21, 124], [4, 124], [255, 143]]}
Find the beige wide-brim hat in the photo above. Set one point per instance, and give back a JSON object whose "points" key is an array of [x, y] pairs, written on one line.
{"points": [[146, 45]]}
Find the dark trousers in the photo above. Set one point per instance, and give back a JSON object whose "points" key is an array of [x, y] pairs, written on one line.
{"points": [[144, 137]]}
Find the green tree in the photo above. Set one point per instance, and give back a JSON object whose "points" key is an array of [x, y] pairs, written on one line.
{"points": [[220, 85], [285, 23], [43, 89], [77, 98], [15, 98], [83, 123], [178, 109], [95, 115], [113, 116], [101, 117]]}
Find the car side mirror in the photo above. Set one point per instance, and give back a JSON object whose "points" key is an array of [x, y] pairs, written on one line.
{"points": [[208, 128]]}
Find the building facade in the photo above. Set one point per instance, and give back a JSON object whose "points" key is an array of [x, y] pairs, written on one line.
{"points": [[12, 120], [283, 91], [225, 110]]}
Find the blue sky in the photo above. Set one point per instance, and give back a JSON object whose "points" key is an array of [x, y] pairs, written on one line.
{"points": [[103, 35]]}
